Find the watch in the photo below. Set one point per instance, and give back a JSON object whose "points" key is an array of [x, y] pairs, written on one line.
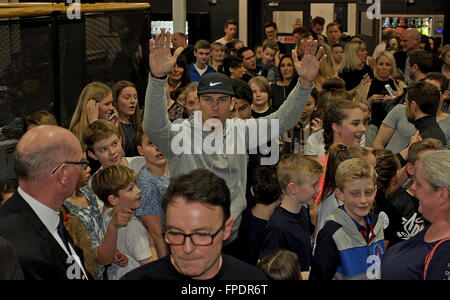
{"points": [[156, 77]]}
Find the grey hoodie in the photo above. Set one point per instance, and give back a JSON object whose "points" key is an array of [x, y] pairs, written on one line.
{"points": [[239, 135]]}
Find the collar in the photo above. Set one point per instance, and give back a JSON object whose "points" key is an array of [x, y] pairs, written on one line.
{"points": [[367, 232], [425, 122], [48, 216]]}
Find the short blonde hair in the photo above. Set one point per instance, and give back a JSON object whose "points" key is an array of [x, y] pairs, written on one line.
{"points": [[295, 168], [392, 61], [353, 169], [110, 180]]}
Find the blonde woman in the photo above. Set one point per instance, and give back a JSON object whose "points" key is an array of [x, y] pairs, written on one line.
{"points": [[375, 91], [217, 55], [327, 69], [355, 71], [95, 102]]}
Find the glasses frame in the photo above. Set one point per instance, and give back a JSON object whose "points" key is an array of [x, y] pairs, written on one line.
{"points": [[84, 165], [212, 235]]}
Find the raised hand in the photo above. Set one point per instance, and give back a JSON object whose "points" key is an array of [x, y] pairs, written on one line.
{"points": [[308, 68], [161, 60]]}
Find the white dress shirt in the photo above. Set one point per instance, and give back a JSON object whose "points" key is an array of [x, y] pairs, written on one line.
{"points": [[50, 218]]}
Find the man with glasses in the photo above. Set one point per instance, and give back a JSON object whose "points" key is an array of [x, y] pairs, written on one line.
{"points": [[198, 220], [47, 162]]}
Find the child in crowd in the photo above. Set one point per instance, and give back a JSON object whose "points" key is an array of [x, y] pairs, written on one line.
{"points": [[153, 180], [295, 138], [104, 145], [289, 226], [327, 201], [371, 129], [402, 207], [115, 186], [191, 103], [267, 61], [262, 104], [351, 243], [281, 265], [266, 193]]}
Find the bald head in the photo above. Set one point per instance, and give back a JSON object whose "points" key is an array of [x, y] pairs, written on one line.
{"points": [[41, 149], [410, 39]]}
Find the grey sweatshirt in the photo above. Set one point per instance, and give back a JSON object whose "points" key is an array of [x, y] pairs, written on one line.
{"points": [[183, 144]]}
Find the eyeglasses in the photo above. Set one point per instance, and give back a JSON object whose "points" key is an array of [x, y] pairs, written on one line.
{"points": [[198, 239], [84, 164]]}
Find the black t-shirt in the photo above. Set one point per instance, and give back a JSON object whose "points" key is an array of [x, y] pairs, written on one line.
{"points": [[130, 133], [162, 269], [353, 77], [378, 110], [257, 115], [250, 237], [402, 211], [287, 230]]}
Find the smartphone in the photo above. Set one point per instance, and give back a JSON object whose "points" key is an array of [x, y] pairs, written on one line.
{"points": [[390, 90], [111, 117], [365, 76]]}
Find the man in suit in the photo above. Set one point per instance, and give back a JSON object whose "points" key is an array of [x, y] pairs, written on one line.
{"points": [[47, 161]]}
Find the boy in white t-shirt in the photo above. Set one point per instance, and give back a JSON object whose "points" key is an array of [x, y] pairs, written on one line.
{"points": [[116, 187]]}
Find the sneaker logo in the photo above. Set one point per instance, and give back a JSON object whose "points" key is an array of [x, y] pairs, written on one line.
{"points": [[214, 83]]}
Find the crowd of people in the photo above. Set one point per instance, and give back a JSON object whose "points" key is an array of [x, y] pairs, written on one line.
{"points": [[314, 163]]}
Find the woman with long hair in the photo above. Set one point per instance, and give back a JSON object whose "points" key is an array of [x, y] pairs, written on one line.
{"points": [[125, 100], [375, 90], [95, 102], [355, 71], [327, 68], [287, 79]]}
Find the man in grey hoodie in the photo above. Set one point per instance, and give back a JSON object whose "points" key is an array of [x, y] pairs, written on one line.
{"points": [[209, 140]]}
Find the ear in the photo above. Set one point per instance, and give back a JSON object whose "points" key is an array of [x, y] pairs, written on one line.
{"points": [[113, 200], [339, 194], [140, 150], [444, 196], [233, 102], [410, 169], [291, 188], [251, 191], [336, 128], [91, 155], [227, 229]]}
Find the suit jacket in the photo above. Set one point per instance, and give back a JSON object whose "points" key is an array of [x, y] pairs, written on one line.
{"points": [[40, 255], [400, 59]]}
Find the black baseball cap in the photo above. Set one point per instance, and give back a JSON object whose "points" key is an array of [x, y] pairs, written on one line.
{"points": [[215, 82]]}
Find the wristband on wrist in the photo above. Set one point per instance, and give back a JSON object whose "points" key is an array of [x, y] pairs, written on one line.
{"points": [[156, 77]]}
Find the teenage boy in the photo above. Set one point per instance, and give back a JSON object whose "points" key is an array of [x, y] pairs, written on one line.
{"points": [[289, 226], [243, 99], [402, 207], [202, 51], [153, 180], [351, 243], [266, 193], [116, 187], [215, 95], [198, 221]]}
